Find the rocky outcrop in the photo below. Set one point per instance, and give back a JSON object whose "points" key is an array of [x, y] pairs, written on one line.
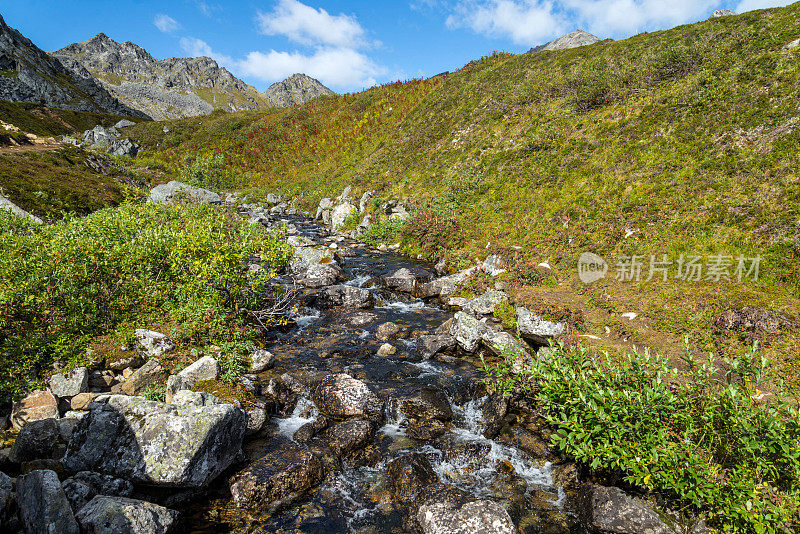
{"points": [[120, 515], [36, 76], [43, 506], [295, 90], [340, 396], [536, 329], [283, 476], [570, 40], [206, 368], [162, 89], [347, 296], [35, 406], [175, 191], [157, 443], [609, 509], [6, 204], [721, 13]]}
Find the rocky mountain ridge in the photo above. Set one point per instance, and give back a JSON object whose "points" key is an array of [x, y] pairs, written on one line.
{"points": [[295, 90], [28, 74], [570, 40], [163, 89]]}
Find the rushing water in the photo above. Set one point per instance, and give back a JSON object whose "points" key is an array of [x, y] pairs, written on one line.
{"points": [[355, 499]]}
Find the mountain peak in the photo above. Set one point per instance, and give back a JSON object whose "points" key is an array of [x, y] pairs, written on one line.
{"points": [[569, 40], [295, 90]]}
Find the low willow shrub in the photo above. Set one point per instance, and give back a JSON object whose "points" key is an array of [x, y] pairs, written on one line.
{"points": [[61, 285], [385, 231], [708, 437]]}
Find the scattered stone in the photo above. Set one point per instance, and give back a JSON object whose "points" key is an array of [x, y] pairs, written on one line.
{"points": [[387, 349], [387, 331], [256, 419], [261, 360], [792, 44], [475, 516], [348, 436], [468, 331], [35, 406], [157, 443], [340, 396], [493, 265], [120, 515], [362, 204], [283, 476], [6, 490], [83, 486], [527, 441], [429, 345], [426, 429], [70, 383], [43, 507], [486, 303], [536, 329], [447, 285], [494, 409], [206, 368], [407, 476], [178, 191], [145, 377], [101, 379], [347, 296], [100, 136], [315, 266], [35, 441], [407, 280], [124, 123], [340, 213], [187, 397], [752, 319], [123, 147], [129, 359], [425, 403], [609, 509], [150, 344]]}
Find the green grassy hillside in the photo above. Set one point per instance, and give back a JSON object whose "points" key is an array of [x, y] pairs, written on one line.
{"points": [[675, 142], [43, 121]]}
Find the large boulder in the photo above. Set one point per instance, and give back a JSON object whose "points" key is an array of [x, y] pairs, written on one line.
{"points": [[157, 443], [83, 486], [315, 266], [43, 507], [486, 303], [6, 497], [35, 406], [407, 280], [206, 368], [468, 331], [423, 403], [407, 476], [484, 516], [70, 383], [178, 191], [120, 515], [143, 378], [346, 296], [447, 285], [261, 360], [348, 436], [340, 214], [430, 345], [340, 396], [6, 204], [609, 509], [36, 441], [537, 329], [150, 344], [283, 476], [123, 147], [99, 136]]}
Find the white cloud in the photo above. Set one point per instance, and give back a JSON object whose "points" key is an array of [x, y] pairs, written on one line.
{"points": [[165, 23], [305, 25], [197, 47], [339, 68], [342, 68], [749, 5], [534, 21], [523, 22]]}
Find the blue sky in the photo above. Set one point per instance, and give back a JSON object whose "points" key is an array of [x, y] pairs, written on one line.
{"points": [[347, 45]]}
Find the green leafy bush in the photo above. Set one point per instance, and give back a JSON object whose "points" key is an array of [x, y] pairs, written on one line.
{"points": [[709, 442], [384, 231], [207, 171], [65, 283]]}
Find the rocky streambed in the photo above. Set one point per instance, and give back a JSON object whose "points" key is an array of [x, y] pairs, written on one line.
{"points": [[367, 413]]}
